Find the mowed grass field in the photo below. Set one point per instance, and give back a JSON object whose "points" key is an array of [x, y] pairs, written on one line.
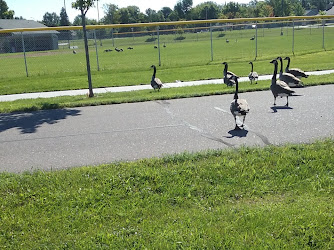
{"points": [[189, 59]]}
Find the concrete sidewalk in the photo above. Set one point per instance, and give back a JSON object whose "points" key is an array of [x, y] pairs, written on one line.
{"points": [[5, 98]]}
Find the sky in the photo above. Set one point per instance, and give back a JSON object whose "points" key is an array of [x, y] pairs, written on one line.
{"points": [[35, 9]]}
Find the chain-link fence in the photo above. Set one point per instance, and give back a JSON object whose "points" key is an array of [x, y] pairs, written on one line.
{"points": [[46, 53]]}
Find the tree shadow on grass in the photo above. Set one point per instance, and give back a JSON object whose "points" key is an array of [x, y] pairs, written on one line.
{"points": [[28, 122]]}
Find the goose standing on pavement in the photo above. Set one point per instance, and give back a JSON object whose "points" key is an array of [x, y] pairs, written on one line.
{"points": [[253, 76], [290, 79], [155, 82], [238, 107], [296, 72], [278, 87], [229, 77]]}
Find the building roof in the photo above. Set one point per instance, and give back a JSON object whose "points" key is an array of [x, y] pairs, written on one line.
{"points": [[21, 24], [330, 11], [312, 12]]}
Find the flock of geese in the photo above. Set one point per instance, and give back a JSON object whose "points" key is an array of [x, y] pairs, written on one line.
{"points": [[280, 87]]}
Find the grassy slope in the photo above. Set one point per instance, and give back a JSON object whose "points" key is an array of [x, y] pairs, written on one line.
{"points": [[254, 198]]}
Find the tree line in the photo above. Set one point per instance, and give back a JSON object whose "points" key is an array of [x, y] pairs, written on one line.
{"points": [[183, 10]]}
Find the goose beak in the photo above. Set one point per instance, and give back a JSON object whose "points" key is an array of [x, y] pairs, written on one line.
{"points": [[273, 61]]}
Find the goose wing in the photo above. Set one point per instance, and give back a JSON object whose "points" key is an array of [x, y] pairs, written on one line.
{"points": [[253, 76], [239, 107], [297, 72], [283, 87], [156, 83]]}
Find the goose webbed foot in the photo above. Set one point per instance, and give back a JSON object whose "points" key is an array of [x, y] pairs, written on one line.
{"points": [[237, 127]]}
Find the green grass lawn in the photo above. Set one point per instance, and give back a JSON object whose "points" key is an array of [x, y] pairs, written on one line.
{"points": [[189, 59], [247, 198]]}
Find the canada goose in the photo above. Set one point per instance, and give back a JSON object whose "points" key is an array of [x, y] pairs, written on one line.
{"points": [[164, 45], [278, 87], [238, 107], [118, 50], [155, 47], [107, 50], [252, 38], [229, 77], [253, 76], [74, 52], [155, 82], [296, 72], [290, 79], [130, 47], [227, 41]]}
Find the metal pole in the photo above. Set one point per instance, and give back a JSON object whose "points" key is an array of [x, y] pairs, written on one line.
{"points": [[323, 34], [24, 54], [112, 37], [159, 45], [293, 37], [211, 42], [255, 40], [97, 54]]}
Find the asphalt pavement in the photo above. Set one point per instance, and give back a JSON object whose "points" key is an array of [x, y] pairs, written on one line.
{"points": [[64, 138]]}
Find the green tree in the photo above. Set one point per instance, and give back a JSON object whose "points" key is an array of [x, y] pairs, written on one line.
{"points": [[51, 19], [111, 14], [64, 21], [183, 8], [83, 6], [5, 13]]}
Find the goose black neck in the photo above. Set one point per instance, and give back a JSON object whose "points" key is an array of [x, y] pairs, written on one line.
{"points": [[154, 71], [281, 61], [275, 71], [236, 89], [225, 68], [288, 65], [252, 67]]}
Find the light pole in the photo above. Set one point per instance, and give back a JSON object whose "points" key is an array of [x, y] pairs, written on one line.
{"points": [[98, 19], [282, 16]]}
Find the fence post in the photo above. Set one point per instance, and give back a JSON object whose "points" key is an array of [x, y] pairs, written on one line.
{"points": [[24, 54], [211, 42], [323, 34], [293, 37], [255, 40], [97, 54], [159, 45], [112, 37]]}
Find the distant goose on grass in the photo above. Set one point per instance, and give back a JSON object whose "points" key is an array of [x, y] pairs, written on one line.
{"points": [[238, 107], [290, 79], [155, 82], [130, 47], [296, 72], [227, 41], [118, 50], [252, 38], [155, 47], [107, 50], [253, 76], [74, 52], [278, 87], [229, 77], [164, 45]]}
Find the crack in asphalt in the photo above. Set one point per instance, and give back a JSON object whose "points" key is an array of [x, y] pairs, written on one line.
{"points": [[202, 132]]}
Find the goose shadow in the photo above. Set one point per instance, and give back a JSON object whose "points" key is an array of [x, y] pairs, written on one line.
{"points": [[29, 122], [275, 108], [237, 133]]}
